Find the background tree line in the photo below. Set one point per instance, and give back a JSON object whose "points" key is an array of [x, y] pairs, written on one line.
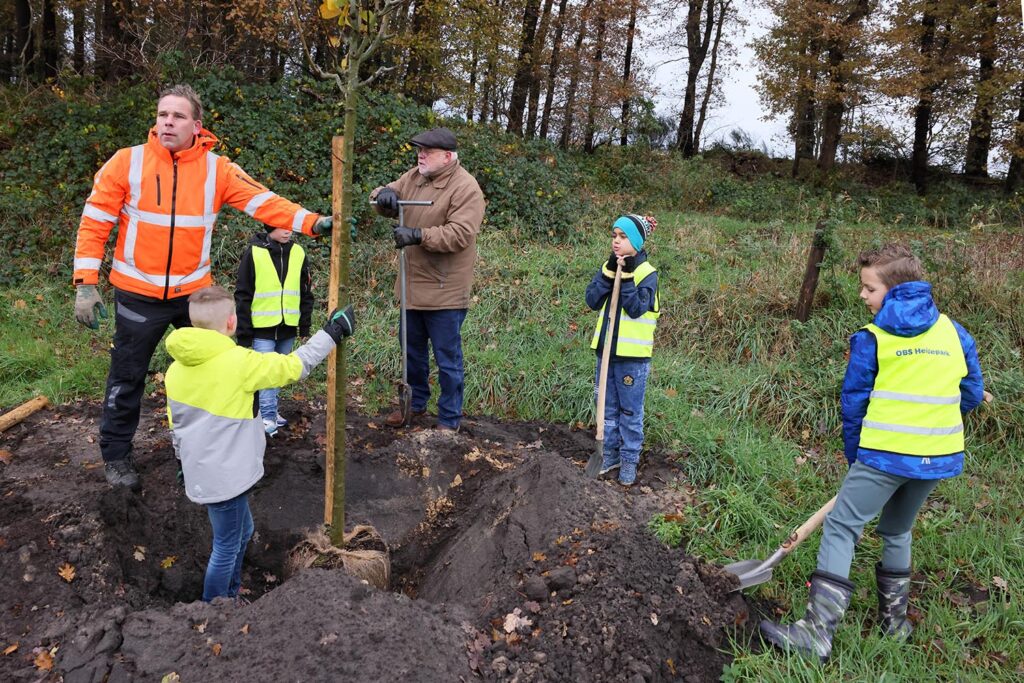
{"points": [[925, 82]]}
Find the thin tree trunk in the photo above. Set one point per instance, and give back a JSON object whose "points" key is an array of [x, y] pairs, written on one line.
{"points": [[595, 80], [570, 93], [78, 36], [1015, 173], [805, 116], [627, 66], [51, 43], [923, 111], [835, 107], [474, 63], [549, 94], [811, 272], [535, 79], [697, 50], [24, 41], [723, 7], [524, 67], [980, 137]]}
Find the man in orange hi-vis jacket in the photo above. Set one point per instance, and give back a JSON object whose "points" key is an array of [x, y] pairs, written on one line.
{"points": [[164, 196]]}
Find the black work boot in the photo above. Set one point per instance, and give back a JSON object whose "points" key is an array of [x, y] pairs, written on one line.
{"points": [[122, 473], [812, 635], [893, 596]]}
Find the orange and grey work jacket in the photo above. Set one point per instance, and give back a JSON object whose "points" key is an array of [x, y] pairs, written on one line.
{"points": [[165, 205]]}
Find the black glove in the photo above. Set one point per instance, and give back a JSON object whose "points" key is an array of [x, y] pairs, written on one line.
{"points": [[387, 202], [628, 267], [304, 332], [340, 323], [613, 263], [406, 237], [245, 341]]}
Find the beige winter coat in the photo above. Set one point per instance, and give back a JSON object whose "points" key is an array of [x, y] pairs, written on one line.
{"points": [[440, 270]]}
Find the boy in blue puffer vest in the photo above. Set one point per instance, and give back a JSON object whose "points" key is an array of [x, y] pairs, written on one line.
{"points": [[636, 317], [912, 373]]}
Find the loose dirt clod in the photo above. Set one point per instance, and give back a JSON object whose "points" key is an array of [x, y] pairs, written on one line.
{"points": [[506, 562]]}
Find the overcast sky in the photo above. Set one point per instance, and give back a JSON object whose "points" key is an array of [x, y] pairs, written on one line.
{"points": [[742, 106]]}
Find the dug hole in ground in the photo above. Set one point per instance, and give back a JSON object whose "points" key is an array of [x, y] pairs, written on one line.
{"points": [[507, 563]]}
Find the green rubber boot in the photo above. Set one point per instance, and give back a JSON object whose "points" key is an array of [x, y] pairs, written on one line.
{"points": [[812, 635], [893, 596]]}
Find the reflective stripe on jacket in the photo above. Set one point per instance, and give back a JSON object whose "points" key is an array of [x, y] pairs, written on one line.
{"points": [[210, 388], [915, 403], [165, 206], [634, 336], [273, 301]]}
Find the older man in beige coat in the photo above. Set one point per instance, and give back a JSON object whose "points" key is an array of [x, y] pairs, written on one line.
{"points": [[440, 244]]}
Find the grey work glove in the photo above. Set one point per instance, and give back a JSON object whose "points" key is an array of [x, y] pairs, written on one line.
{"points": [[341, 323], [387, 202], [323, 225], [87, 305]]}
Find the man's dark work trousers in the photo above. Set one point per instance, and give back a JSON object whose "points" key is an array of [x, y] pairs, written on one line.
{"points": [[139, 325]]}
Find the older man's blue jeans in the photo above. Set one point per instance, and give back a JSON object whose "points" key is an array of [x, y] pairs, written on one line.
{"points": [[443, 331], [232, 528]]}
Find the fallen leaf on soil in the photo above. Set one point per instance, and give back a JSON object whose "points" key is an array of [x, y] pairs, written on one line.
{"points": [[539, 557], [514, 620], [567, 602], [172, 677], [671, 393], [561, 539], [140, 553], [533, 445], [457, 481], [201, 627], [90, 439], [654, 618], [244, 630], [43, 661], [10, 648], [67, 572], [705, 619], [532, 606], [269, 578], [5, 456], [168, 561], [671, 666], [20, 304], [1001, 583], [216, 647], [673, 517], [371, 425]]}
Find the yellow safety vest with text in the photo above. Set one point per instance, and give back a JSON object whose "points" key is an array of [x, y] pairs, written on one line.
{"points": [[915, 403], [273, 301], [634, 336]]}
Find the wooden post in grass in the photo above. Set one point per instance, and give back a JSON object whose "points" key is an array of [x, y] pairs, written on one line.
{"points": [[334, 466], [814, 259]]}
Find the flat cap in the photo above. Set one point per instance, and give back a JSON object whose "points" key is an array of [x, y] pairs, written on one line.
{"points": [[436, 138]]}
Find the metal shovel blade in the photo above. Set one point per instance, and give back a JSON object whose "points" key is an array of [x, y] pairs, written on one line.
{"points": [[405, 403], [749, 572], [594, 464]]}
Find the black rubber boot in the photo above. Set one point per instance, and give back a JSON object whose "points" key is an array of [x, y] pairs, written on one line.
{"points": [[812, 635], [893, 596]]}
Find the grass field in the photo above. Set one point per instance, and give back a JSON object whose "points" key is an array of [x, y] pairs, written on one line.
{"points": [[748, 399]]}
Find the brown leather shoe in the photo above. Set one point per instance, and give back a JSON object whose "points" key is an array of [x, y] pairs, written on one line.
{"points": [[394, 418]]}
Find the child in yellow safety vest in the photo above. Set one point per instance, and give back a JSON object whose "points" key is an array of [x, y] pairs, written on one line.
{"points": [[636, 315], [911, 376], [274, 301], [216, 432]]}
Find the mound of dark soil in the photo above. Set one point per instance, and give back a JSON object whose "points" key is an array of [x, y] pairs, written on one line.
{"points": [[507, 562]]}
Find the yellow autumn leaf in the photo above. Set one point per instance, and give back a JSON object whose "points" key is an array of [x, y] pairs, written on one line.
{"points": [[168, 561], [216, 649], [539, 557], [67, 572], [11, 648], [335, 41], [172, 677], [329, 9]]}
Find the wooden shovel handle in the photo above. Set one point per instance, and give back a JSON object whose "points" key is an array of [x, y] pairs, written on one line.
{"points": [[606, 353], [808, 527]]}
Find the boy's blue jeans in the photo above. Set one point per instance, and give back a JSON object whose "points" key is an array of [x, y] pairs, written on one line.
{"points": [[443, 330], [268, 397], [624, 407], [232, 528], [865, 493]]}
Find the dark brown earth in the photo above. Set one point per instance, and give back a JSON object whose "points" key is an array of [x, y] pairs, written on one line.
{"points": [[507, 563]]}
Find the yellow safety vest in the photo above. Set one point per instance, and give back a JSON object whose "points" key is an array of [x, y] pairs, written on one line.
{"points": [[634, 336], [915, 403], [273, 301]]}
